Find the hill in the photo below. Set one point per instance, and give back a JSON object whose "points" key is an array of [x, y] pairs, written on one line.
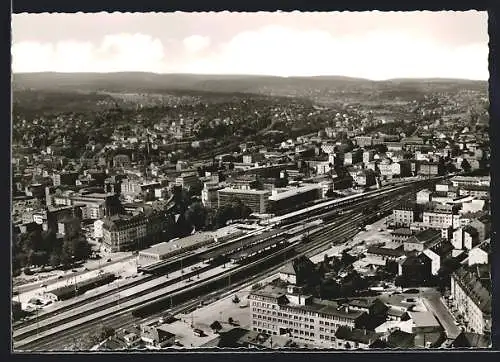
{"points": [[318, 88]]}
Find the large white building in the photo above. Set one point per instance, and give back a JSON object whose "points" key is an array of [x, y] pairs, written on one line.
{"points": [[471, 296]]}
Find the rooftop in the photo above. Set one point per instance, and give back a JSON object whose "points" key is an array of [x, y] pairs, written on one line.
{"points": [[242, 191], [177, 244], [356, 335], [424, 319], [473, 281], [294, 191]]}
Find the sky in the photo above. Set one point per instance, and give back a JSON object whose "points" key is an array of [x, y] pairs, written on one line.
{"points": [[373, 45]]}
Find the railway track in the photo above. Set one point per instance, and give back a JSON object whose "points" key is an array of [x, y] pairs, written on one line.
{"points": [[125, 318], [320, 240]]}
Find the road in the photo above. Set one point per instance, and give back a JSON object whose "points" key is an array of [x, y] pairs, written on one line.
{"points": [[435, 305], [90, 265]]}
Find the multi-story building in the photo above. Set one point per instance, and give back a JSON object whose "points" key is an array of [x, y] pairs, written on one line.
{"points": [[363, 141], [279, 311], [256, 200], [422, 240], [209, 196], [351, 158], [96, 205], [67, 178], [480, 254], [98, 231], [430, 169], [404, 214], [399, 235], [68, 226], [368, 156], [386, 168], [471, 296], [423, 197], [474, 190], [459, 181], [465, 237], [121, 161], [442, 216], [187, 180], [126, 232], [416, 269], [293, 197]]}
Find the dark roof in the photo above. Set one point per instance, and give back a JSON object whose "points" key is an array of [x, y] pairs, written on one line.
{"points": [[402, 231], [475, 187], [468, 339], [416, 260], [470, 230], [473, 281], [356, 335], [442, 248], [400, 339], [425, 236], [386, 251]]}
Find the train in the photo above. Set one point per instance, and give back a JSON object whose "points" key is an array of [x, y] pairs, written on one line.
{"points": [[70, 291]]}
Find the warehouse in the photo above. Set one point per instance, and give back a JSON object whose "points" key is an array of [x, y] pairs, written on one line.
{"points": [[175, 247]]}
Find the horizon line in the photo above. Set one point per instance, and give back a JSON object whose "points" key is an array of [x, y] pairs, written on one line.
{"points": [[258, 75]]}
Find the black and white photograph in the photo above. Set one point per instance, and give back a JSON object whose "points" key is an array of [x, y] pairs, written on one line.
{"points": [[257, 181]]}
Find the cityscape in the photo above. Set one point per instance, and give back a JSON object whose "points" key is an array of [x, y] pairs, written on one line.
{"points": [[257, 190]]}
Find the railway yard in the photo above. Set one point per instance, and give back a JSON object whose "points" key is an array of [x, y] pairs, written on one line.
{"points": [[196, 278]]}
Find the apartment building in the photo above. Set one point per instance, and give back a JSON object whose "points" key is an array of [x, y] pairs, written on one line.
{"points": [[285, 311], [126, 232], [404, 214], [442, 216], [256, 200], [471, 296], [209, 196]]}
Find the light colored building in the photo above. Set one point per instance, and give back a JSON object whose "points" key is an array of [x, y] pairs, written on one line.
{"points": [[286, 311], [256, 200], [442, 216], [209, 196], [480, 254], [422, 240], [98, 230], [368, 156], [404, 215], [423, 197], [323, 167], [471, 296], [363, 141], [187, 180]]}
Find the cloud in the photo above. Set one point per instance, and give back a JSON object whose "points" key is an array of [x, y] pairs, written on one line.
{"points": [[278, 50], [269, 50], [117, 52], [196, 43]]}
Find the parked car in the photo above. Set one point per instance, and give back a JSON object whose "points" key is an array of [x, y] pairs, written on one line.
{"points": [[198, 332]]}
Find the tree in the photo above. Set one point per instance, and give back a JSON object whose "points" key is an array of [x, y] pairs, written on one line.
{"points": [[55, 259], [106, 332], [465, 165], [196, 215], [230, 320], [216, 326]]}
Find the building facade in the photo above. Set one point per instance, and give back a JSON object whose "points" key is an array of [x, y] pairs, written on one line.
{"points": [[256, 200], [285, 312]]}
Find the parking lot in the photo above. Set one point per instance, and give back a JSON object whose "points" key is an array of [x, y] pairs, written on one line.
{"points": [[203, 317]]}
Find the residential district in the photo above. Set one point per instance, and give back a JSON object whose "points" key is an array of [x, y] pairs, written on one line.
{"points": [[220, 225]]}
